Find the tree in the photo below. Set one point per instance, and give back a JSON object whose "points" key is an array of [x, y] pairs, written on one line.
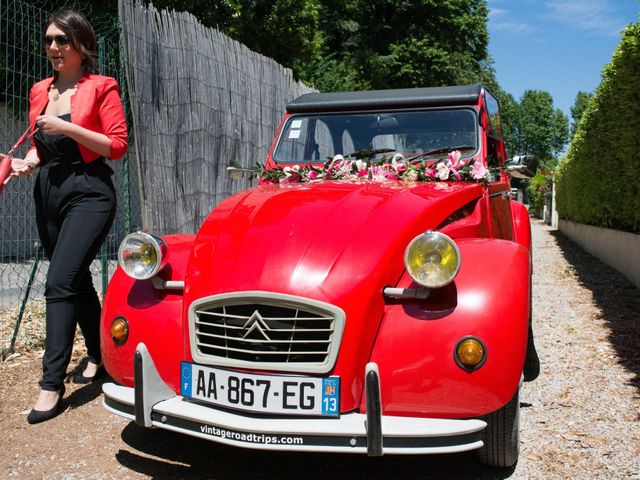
{"points": [[598, 182], [541, 130], [285, 30], [356, 44], [579, 106], [400, 43], [510, 120]]}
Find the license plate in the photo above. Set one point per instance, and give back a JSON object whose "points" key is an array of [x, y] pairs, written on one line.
{"points": [[277, 394]]}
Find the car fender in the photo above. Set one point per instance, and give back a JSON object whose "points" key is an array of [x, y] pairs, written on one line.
{"points": [[414, 348], [521, 224], [154, 316]]}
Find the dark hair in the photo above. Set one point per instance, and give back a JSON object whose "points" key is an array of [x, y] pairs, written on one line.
{"points": [[80, 33]]}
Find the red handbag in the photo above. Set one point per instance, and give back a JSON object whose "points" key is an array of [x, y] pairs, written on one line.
{"points": [[5, 165]]}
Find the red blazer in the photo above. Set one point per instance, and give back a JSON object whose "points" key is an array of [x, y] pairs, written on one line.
{"points": [[96, 106]]}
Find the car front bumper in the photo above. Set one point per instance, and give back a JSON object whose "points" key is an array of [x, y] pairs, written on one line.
{"points": [[153, 404]]}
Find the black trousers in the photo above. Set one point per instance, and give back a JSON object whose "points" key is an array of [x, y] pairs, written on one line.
{"points": [[75, 208]]}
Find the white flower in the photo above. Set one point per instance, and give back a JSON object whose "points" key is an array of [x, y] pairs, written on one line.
{"points": [[360, 165], [411, 175], [290, 170], [344, 169], [397, 163], [443, 171]]}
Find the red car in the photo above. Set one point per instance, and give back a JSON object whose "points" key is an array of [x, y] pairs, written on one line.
{"points": [[371, 295]]}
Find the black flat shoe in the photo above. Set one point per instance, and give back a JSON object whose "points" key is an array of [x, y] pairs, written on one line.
{"points": [[81, 379], [39, 416]]}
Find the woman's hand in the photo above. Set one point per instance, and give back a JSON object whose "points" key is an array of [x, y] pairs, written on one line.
{"points": [[94, 141], [52, 125], [22, 166]]}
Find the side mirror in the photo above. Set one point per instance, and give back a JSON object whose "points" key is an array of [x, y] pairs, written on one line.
{"points": [[237, 171], [522, 166]]}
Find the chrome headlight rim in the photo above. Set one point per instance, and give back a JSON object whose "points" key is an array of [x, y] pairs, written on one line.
{"points": [[421, 237], [158, 245]]}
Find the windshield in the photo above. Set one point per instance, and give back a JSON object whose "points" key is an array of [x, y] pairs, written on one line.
{"points": [[317, 138]]}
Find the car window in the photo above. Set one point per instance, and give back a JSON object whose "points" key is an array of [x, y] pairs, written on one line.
{"points": [[307, 139], [315, 138]]}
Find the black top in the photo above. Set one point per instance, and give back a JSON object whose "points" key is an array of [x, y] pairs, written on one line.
{"points": [[54, 149], [62, 153], [386, 99]]}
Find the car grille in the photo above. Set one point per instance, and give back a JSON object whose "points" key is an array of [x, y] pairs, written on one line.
{"points": [[266, 332]]}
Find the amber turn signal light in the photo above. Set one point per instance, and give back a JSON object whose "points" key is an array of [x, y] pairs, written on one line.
{"points": [[119, 330], [470, 353]]}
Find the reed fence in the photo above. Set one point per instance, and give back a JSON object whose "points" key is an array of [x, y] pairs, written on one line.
{"points": [[199, 101]]}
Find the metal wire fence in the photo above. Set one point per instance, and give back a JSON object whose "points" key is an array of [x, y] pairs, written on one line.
{"points": [[22, 63], [198, 101]]}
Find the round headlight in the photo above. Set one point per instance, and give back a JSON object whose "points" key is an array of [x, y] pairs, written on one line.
{"points": [[140, 255], [432, 259]]}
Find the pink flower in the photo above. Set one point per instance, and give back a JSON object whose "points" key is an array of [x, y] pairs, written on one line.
{"points": [[337, 159], [292, 179], [478, 171], [361, 168], [312, 174], [390, 174], [431, 173], [456, 161], [378, 174]]}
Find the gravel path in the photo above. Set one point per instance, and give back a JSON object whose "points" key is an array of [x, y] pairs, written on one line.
{"points": [[580, 419]]}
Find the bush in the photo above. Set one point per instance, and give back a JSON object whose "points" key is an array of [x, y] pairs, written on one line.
{"points": [[598, 182], [540, 186]]}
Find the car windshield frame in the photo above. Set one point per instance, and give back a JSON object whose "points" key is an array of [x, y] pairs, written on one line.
{"points": [[388, 116]]}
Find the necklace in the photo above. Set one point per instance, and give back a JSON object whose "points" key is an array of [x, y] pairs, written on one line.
{"points": [[55, 93]]}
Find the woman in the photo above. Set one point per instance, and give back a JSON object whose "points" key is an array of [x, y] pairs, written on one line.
{"points": [[80, 121]]}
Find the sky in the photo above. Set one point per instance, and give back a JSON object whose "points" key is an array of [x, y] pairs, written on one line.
{"points": [[560, 46]]}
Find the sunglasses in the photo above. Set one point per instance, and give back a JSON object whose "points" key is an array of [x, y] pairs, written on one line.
{"points": [[61, 40]]}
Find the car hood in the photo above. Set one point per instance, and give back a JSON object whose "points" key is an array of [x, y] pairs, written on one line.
{"points": [[334, 242]]}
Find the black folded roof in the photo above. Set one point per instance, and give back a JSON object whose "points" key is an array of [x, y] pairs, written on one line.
{"points": [[386, 99]]}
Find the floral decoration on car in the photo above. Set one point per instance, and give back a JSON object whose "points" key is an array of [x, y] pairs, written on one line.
{"points": [[452, 168]]}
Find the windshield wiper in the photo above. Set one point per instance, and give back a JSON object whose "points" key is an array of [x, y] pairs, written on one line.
{"points": [[439, 151], [368, 152]]}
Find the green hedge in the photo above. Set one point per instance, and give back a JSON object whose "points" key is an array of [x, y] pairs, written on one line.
{"points": [[598, 182]]}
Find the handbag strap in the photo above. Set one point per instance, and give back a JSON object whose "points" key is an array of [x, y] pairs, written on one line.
{"points": [[28, 133]]}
